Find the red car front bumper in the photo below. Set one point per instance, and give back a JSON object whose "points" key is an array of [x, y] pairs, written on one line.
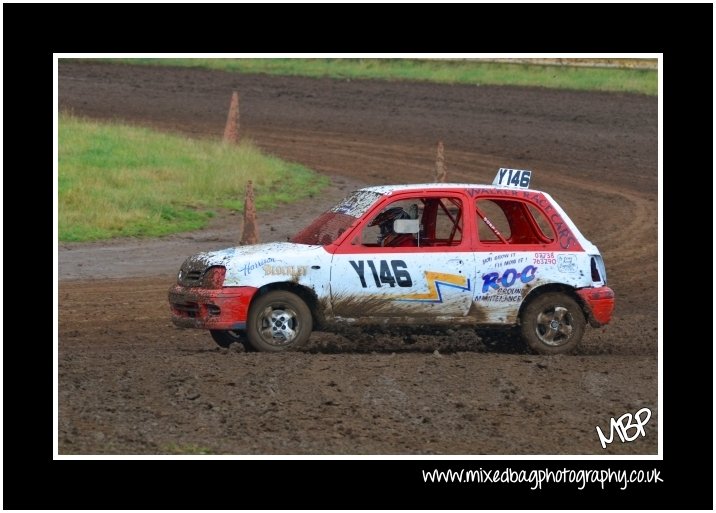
{"points": [[600, 303], [226, 308]]}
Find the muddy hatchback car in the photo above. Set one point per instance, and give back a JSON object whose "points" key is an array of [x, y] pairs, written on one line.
{"points": [[419, 254]]}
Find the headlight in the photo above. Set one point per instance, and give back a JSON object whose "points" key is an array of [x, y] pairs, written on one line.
{"points": [[214, 277]]}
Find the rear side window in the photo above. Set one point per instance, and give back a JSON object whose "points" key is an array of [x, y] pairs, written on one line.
{"points": [[542, 222], [506, 221], [492, 222]]}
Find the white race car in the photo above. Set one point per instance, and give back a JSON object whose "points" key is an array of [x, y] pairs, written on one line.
{"points": [[424, 254]]}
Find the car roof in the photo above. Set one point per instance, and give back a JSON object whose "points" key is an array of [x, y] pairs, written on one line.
{"points": [[390, 189]]}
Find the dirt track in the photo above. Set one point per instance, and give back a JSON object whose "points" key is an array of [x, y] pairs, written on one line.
{"points": [[131, 383]]}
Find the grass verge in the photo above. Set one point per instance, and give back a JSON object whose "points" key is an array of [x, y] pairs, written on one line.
{"points": [[614, 79], [121, 180]]}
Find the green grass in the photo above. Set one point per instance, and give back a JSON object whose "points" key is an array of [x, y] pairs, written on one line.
{"points": [[618, 79], [120, 180]]}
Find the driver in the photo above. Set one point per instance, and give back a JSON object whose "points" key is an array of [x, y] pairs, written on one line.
{"points": [[387, 236]]}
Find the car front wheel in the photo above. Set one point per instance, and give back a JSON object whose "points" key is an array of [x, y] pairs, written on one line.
{"points": [[278, 321], [552, 323], [224, 338]]}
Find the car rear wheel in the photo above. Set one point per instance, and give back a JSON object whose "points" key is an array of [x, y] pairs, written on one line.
{"points": [[278, 321], [552, 323]]}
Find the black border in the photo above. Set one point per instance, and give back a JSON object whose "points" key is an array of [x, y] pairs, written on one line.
{"points": [[32, 480]]}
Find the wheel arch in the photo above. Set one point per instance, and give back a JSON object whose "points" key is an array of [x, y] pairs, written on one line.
{"points": [[307, 294], [553, 287]]}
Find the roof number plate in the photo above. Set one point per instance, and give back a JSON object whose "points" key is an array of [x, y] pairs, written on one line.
{"points": [[513, 178]]}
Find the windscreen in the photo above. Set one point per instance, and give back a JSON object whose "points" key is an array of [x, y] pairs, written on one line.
{"points": [[331, 224]]}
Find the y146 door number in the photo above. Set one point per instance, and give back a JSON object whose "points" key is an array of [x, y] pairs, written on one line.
{"points": [[392, 274]]}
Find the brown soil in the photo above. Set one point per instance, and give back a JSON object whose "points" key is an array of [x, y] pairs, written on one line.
{"points": [[131, 383]]}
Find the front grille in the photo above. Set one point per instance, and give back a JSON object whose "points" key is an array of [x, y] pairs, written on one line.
{"points": [[190, 278], [188, 309]]}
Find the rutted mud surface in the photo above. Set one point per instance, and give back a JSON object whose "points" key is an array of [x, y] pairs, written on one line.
{"points": [[131, 383]]}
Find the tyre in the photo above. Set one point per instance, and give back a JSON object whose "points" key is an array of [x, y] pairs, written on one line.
{"points": [[552, 323], [278, 321], [224, 338]]}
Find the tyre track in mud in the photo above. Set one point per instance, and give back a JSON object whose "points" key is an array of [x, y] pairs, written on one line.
{"points": [[131, 383]]}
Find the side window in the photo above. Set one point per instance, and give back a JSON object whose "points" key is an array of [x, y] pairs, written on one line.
{"points": [[504, 221], [448, 221], [439, 223], [380, 232], [492, 222], [542, 222]]}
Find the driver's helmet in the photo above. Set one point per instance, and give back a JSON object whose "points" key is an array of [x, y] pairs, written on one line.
{"points": [[385, 221]]}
